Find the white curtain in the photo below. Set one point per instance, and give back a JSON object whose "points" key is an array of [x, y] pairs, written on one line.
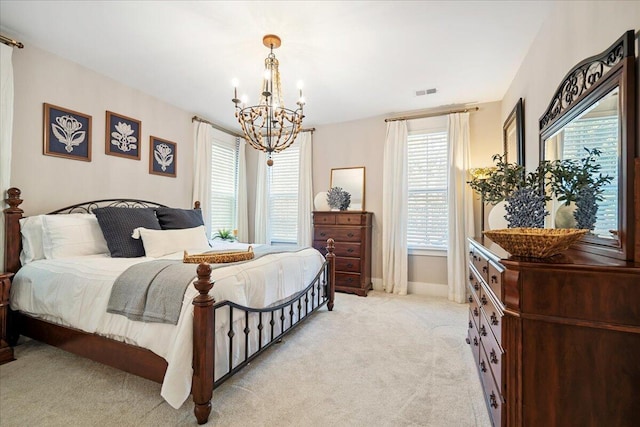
{"points": [[242, 210], [6, 129], [203, 138], [394, 209], [460, 206], [305, 189], [262, 200]]}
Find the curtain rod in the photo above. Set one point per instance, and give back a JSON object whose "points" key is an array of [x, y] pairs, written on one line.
{"points": [[230, 132], [422, 116], [11, 42], [215, 126]]}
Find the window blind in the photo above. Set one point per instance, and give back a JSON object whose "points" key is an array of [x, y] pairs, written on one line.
{"points": [[283, 196], [600, 133], [427, 224], [224, 184]]}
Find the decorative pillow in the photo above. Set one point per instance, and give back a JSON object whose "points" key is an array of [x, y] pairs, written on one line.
{"points": [[173, 219], [32, 234], [163, 242], [72, 235], [117, 224]]}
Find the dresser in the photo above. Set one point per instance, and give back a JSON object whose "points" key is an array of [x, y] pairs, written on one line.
{"points": [[556, 341], [351, 231]]}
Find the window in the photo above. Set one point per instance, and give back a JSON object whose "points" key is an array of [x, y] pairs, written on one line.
{"points": [[600, 133], [224, 185], [427, 222], [283, 196]]}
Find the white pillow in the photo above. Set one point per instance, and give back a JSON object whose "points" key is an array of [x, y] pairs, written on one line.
{"points": [[71, 235], [163, 242], [31, 230]]}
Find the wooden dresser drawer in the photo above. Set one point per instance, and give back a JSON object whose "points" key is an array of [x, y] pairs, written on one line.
{"points": [[494, 356], [493, 315], [351, 265], [348, 249], [323, 218], [350, 219], [350, 280], [339, 234], [474, 339], [492, 394], [474, 307], [481, 264], [495, 280]]}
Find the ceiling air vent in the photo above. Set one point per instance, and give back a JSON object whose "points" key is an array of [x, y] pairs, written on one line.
{"points": [[425, 92]]}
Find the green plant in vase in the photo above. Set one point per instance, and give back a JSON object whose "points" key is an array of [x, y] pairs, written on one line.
{"points": [[524, 192], [225, 234], [580, 182]]}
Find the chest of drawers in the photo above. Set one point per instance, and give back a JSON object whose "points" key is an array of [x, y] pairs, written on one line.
{"points": [[556, 341], [351, 232]]}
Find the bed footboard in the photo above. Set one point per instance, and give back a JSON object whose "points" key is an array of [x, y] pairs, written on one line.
{"points": [[268, 326]]}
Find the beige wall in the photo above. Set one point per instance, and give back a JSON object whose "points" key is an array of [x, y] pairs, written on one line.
{"points": [[361, 143], [50, 182], [573, 32]]}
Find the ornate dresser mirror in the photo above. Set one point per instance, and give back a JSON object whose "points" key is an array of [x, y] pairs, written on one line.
{"points": [[595, 108]]}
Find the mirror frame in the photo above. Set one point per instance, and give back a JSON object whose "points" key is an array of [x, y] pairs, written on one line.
{"points": [[586, 83], [516, 119], [362, 187]]}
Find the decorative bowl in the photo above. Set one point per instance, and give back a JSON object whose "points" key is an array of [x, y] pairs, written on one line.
{"points": [[535, 242]]}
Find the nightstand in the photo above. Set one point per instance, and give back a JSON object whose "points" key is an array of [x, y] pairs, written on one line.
{"points": [[6, 351]]}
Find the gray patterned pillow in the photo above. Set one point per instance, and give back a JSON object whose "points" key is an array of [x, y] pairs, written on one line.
{"points": [[174, 219], [117, 224]]}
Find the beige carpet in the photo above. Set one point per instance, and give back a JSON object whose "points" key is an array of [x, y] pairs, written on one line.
{"points": [[376, 361]]}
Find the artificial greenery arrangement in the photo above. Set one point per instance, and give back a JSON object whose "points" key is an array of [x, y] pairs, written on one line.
{"points": [[524, 192], [225, 234], [580, 182], [338, 198], [577, 181]]}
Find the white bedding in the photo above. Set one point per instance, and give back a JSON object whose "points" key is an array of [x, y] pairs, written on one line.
{"points": [[75, 292]]}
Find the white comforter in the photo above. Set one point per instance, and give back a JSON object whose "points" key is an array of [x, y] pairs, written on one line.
{"points": [[75, 292]]}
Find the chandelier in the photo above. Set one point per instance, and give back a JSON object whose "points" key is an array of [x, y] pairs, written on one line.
{"points": [[269, 126]]}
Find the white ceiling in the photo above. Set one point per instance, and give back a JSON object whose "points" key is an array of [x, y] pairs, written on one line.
{"points": [[357, 58]]}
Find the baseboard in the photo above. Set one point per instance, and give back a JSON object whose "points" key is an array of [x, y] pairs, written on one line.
{"points": [[418, 288]]}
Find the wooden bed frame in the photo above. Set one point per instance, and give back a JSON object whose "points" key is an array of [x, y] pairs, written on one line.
{"points": [[143, 362]]}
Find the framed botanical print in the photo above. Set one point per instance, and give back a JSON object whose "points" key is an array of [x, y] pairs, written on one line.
{"points": [[122, 137], [163, 157], [67, 133], [513, 135]]}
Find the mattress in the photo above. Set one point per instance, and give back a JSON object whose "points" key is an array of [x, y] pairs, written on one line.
{"points": [[75, 291]]}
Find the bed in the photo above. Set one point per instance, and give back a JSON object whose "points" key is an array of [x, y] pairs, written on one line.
{"points": [[231, 314]]}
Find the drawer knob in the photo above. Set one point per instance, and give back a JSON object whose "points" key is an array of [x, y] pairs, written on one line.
{"points": [[493, 357], [476, 312], [483, 331], [470, 324], [467, 340], [483, 367], [470, 276], [476, 286], [349, 234], [484, 268], [349, 265], [350, 279], [323, 233], [470, 299], [475, 341], [350, 250], [494, 401], [494, 319], [494, 279], [484, 300]]}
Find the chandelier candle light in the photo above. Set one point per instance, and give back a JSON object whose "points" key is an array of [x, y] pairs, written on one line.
{"points": [[269, 126]]}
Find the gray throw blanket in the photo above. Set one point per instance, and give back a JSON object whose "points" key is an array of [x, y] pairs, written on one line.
{"points": [[153, 291]]}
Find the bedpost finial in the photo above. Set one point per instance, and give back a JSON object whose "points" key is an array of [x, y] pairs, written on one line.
{"points": [[203, 284], [13, 199], [330, 245], [196, 205]]}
